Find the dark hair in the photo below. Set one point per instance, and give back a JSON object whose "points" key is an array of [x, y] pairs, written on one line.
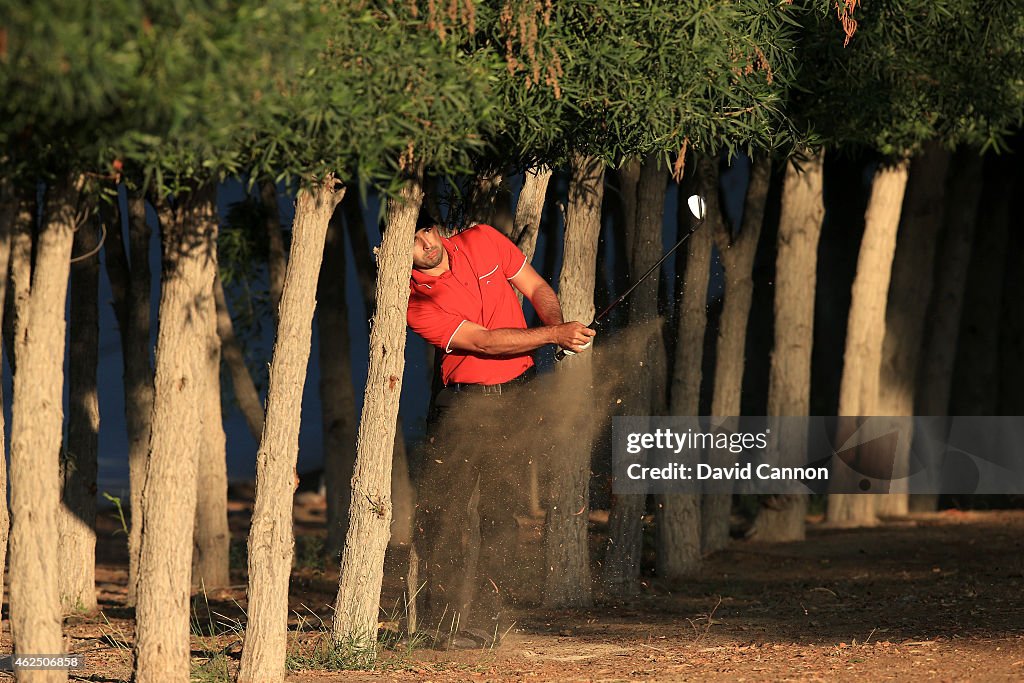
{"points": [[426, 220]]}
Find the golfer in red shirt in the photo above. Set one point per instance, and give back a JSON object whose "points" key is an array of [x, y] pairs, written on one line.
{"points": [[463, 301]]}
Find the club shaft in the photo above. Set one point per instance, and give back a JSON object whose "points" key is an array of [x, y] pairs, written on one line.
{"points": [[622, 297]]}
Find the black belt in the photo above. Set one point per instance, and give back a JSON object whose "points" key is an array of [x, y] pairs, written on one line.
{"points": [[494, 388]]}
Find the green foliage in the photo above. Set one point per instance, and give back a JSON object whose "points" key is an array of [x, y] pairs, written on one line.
{"points": [[915, 70]]}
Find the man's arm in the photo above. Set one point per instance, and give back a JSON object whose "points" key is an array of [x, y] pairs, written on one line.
{"points": [[509, 341], [539, 292]]}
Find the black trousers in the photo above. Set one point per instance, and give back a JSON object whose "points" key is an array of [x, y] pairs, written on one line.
{"points": [[469, 489]]}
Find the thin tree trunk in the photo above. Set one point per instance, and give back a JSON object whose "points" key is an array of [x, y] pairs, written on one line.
{"points": [[525, 229], [8, 216], [567, 556], [276, 262], [715, 507], [337, 395], [529, 209], [935, 373], [912, 277], [738, 259], [211, 567], [362, 562], [977, 358], [782, 518], [76, 521], [241, 379], [270, 537], [865, 329], [403, 493], [161, 651], [625, 524], [629, 178], [131, 285], [679, 525], [36, 426]]}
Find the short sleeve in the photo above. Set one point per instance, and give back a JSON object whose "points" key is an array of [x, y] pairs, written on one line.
{"points": [[510, 257], [434, 324]]}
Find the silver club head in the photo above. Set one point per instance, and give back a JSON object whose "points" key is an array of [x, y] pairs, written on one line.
{"points": [[696, 204]]}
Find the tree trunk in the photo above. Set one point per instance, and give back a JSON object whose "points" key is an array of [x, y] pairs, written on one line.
{"points": [[679, 526], [169, 495], [270, 537], [36, 426], [715, 507], [935, 373], [625, 524], [525, 229], [488, 202], [944, 310], [276, 262], [629, 178], [781, 518], [976, 374], [362, 563], [131, 285], [738, 259], [241, 379], [912, 276], [529, 209], [337, 395], [1011, 326], [211, 567], [9, 214], [865, 329], [77, 518], [567, 556]]}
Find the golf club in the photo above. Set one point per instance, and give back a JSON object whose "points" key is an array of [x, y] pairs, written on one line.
{"points": [[697, 208]]}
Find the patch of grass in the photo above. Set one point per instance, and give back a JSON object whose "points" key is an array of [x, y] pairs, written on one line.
{"points": [[213, 665], [323, 653]]}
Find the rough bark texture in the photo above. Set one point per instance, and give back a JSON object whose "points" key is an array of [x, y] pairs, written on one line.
{"points": [[130, 284], [529, 209], [211, 568], [161, 651], [865, 329], [241, 379], [337, 395], [271, 542], [789, 386], [567, 557], [276, 262], [737, 253], [679, 526], [912, 276], [36, 426], [362, 562], [625, 524], [77, 518], [976, 371], [8, 216], [629, 178]]}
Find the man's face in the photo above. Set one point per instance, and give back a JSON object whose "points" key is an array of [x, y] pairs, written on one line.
{"points": [[427, 251]]}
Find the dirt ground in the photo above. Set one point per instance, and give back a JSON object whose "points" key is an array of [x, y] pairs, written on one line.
{"points": [[936, 597]]}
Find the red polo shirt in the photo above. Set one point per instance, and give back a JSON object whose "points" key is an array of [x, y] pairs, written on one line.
{"points": [[475, 288]]}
